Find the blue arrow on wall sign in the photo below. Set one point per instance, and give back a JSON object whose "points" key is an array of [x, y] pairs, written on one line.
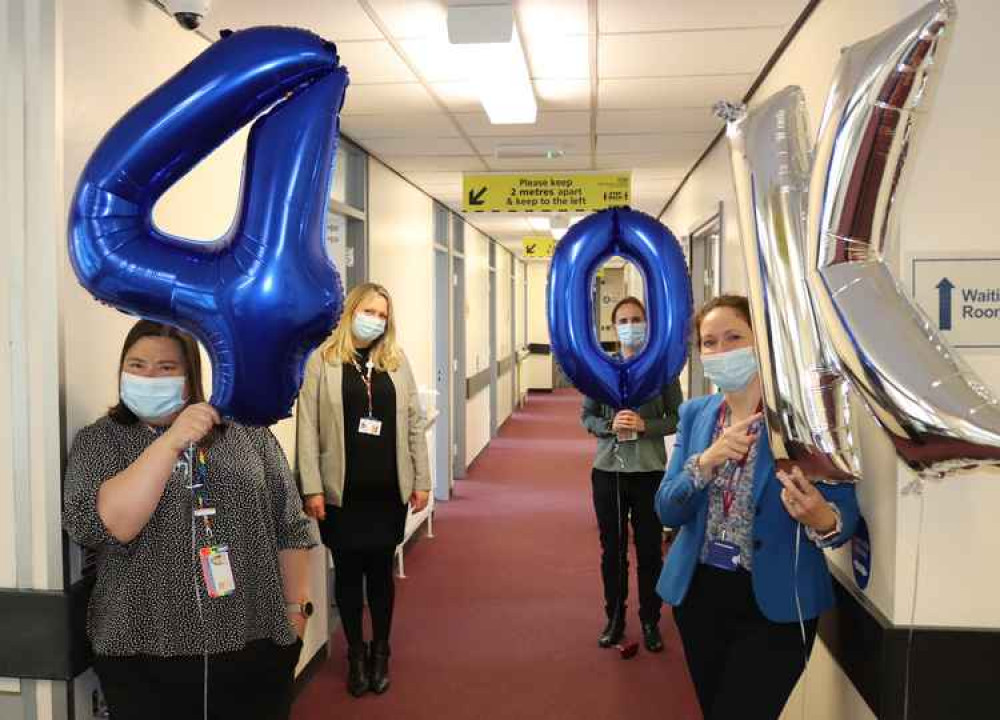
{"points": [[944, 289]]}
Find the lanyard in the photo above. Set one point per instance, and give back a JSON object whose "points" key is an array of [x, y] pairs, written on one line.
{"points": [[732, 469], [367, 380], [197, 475]]}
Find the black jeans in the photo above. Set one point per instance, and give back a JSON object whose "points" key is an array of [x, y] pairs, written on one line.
{"points": [[358, 571], [254, 683], [636, 500], [742, 664]]}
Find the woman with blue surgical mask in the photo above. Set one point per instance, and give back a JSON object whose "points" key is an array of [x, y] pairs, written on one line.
{"points": [[627, 470], [746, 575], [362, 459], [201, 544]]}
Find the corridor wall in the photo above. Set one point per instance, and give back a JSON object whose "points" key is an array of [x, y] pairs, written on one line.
{"points": [[477, 341], [952, 183], [505, 372], [538, 365]]}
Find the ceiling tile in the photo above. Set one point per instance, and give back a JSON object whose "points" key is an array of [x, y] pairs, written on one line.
{"points": [[558, 56], [659, 161], [570, 162], [437, 60], [569, 144], [337, 21], [459, 97], [548, 123], [412, 18], [361, 127], [539, 17], [657, 121], [652, 15], [389, 99], [660, 143], [690, 92], [713, 52], [426, 146], [563, 94], [373, 61], [428, 163]]}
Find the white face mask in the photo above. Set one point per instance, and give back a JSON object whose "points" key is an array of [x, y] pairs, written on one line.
{"points": [[152, 398], [367, 327], [731, 371]]}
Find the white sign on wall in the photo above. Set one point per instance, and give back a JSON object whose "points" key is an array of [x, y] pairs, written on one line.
{"points": [[961, 295]]}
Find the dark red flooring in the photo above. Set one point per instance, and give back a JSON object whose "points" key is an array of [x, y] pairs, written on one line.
{"points": [[499, 614]]}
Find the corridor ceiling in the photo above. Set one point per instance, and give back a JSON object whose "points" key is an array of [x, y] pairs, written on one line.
{"points": [[620, 84]]}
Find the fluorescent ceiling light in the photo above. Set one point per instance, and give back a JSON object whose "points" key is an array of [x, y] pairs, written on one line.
{"points": [[495, 60], [540, 223]]}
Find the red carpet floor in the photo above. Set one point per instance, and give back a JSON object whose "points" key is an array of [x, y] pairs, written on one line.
{"points": [[499, 614]]}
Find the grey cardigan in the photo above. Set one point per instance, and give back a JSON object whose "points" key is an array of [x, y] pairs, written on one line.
{"points": [[647, 453], [319, 449]]}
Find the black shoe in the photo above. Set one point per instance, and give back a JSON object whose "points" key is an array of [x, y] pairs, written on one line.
{"points": [[380, 669], [358, 682], [651, 637], [613, 632]]}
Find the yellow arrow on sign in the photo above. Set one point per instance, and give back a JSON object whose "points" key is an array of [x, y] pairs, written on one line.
{"points": [[539, 246]]}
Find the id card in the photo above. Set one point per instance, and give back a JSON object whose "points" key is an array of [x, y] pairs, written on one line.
{"points": [[627, 435], [723, 555], [370, 426], [217, 571]]}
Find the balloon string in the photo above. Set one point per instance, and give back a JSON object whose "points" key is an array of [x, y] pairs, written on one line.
{"points": [[919, 490]]}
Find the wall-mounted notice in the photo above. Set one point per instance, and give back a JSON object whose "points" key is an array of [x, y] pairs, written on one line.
{"points": [[961, 295], [545, 192], [539, 246]]}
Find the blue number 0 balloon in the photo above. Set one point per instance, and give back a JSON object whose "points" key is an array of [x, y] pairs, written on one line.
{"points": [[637, 237], [264, 295]]}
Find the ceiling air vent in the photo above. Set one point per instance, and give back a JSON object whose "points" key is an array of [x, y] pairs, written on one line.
{"points": [[523, 152]]}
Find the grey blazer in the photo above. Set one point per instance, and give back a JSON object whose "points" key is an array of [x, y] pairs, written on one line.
{"points": [[320, 433]]}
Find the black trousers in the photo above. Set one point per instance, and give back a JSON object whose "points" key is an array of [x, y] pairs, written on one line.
{"points": [[254, 683], [742, 664], [358, 570], [635, 500]]}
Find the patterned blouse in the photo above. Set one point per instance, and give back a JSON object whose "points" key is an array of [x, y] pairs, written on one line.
{"points": [[738, 526], [146, 600]]}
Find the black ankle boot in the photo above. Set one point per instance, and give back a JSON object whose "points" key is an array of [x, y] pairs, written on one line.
{"points": [[613, 632], [380, 668], [651, 637], [358, 681]]}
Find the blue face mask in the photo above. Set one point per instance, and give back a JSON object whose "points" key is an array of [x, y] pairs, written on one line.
{"points": [[151, 398], [731, 371], [631, 335], [367, 327]]}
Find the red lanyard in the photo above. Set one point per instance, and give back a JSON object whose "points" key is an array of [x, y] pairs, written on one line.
{"points": [[729, 489], [367, 380]]}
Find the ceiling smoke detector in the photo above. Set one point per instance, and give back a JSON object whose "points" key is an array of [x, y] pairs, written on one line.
{"points": [[523, 152]]}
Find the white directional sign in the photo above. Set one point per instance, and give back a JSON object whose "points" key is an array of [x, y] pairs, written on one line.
{"points": [[961, 294]]}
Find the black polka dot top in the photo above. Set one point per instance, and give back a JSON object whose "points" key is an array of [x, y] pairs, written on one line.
{"points": [[146, 599]]}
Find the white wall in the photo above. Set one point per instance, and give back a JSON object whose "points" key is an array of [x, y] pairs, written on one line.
{"points": [[505, 266], [953, 184], [477, 339], [537, 368]]}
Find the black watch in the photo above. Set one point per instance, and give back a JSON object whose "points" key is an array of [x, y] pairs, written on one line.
{"points": [[304, 607]]}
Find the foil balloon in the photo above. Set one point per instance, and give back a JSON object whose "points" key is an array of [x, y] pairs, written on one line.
{"points": [[806, 401], [651, 246], [939, 415], [261, 297]]}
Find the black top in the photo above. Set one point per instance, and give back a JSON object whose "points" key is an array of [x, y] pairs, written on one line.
{"points": [[373, 514], [144, 601]]}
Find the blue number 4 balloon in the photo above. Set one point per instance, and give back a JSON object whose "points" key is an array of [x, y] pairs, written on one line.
{"points": [[264, 295]]}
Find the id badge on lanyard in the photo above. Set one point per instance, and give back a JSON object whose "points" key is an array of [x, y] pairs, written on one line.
{"points": [[214, 559], [369, 425]]}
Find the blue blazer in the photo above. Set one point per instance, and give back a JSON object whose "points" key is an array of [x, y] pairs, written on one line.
{"points": [[679, 505]]}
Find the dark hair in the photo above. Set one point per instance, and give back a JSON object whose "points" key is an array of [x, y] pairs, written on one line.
{"points": [[192, 363], [739, 303], [630, 300]]}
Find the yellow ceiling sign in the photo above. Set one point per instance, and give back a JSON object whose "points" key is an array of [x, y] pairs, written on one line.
{"points": [[545, 192], [539, 246]]}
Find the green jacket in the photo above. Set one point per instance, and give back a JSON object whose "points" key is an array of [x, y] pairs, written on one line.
{"points": [[647, 453]]}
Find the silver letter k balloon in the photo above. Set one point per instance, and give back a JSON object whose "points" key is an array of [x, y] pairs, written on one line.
{"points": [[817, 227]]}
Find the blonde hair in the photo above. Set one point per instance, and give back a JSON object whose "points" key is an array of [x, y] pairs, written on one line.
{"points": [[385, 353]]}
